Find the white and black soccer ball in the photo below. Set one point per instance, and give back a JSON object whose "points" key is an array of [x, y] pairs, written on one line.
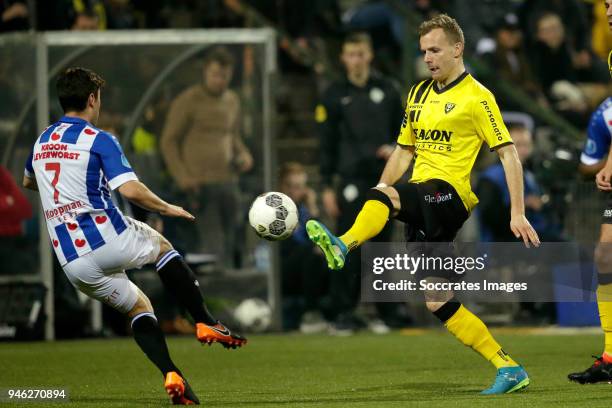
{"points": [[273, 216], [254, 315]]}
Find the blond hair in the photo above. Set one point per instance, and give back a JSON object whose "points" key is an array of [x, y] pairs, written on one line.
{"points": [[445, 22]]}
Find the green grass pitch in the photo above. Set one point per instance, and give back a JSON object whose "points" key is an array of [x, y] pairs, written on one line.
{"points": [[429, 369]]}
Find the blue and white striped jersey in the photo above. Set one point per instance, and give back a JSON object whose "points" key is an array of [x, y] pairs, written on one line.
{"points": [[599, 134], [75, 165]]}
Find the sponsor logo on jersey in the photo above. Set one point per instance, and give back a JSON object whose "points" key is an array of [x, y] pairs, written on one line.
{"points": [[64, 209], [591, 147], [55, 151], [491, 117], [438, 198], [433, 139], [433, 134]]}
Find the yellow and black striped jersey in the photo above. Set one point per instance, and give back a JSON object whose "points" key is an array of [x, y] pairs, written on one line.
{"points": [[447, 128]]}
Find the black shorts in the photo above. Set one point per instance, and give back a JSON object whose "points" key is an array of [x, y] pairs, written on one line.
{"points": [[433, 213], [606, 216]]}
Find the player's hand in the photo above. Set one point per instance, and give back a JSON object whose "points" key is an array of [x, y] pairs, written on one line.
{"points": [[522, 229], [330, 203], [176, 211], [602, 179]]}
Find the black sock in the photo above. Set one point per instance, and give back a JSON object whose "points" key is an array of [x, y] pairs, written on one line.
{"points": [[151, 340], [180, 280]]}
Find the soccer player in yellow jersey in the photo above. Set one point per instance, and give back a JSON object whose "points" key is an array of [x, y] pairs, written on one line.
{"points": [[594, 163], [447, 119]]}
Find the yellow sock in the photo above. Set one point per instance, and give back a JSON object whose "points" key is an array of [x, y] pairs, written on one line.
{"points": [[604, 303], [369, 222], [472, 332]]}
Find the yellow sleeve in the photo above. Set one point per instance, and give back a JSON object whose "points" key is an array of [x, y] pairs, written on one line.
{"points": [[488, 121], [406, 137]]}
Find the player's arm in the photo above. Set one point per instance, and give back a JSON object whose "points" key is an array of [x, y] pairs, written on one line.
{"points": [[604, 175], [399, 161], [591, 170], [397, 165], [29, 183], [29, 180], [139, 194], [513, 169], [597, 145], [120, 176]]}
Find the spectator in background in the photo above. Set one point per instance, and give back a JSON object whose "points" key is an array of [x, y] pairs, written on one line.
{"points": [[571, 12], [85, 21], [494, 206], [71, 15], [14, 206], [120, 14], [559, 68], [13, 16], [15, 209], [360, 116], [509, 59], [304, 274], [479, 22], [601, 34], [203, 150]]}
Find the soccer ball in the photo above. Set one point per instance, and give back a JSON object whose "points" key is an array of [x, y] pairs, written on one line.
{"points": [[254, 315], [273, 216]]}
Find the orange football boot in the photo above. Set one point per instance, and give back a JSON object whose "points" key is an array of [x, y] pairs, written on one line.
{"points": [[179, 390], [219, 333]]}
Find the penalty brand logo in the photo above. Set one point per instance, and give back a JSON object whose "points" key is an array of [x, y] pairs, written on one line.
{"points": [[449, 107], [438, 198], [607, 213]]}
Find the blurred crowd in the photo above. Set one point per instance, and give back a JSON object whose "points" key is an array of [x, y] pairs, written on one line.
{"points": [[543, 59]]}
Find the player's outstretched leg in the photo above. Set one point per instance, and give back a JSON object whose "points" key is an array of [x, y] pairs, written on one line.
{"points": [[334, 249], [180, 280], [369, 222], [472, 332], [152, 342]]}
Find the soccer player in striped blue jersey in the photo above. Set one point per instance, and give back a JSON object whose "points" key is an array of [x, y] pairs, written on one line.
{"points": [[74, 166]]}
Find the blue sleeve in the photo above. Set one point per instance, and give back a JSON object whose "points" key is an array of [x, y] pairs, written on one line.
{"points": [[115, 165], [598, 140], [29, 168]]}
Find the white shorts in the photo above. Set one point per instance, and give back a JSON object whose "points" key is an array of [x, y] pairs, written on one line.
{"points": [[100, 274]]}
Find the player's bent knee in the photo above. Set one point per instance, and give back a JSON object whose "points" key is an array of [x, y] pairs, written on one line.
{"points": [[164, 247], [142, 305], [386, 195], [434, 306]]}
